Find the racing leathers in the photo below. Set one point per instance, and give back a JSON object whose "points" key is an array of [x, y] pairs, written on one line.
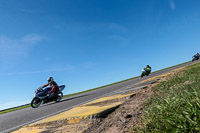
{"points": [[54, 89]]}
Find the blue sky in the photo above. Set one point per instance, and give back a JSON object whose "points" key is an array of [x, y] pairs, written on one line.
{"points": [[89, 43]]}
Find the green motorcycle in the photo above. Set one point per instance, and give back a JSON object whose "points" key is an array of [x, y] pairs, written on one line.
{"points": [[145, 72]]}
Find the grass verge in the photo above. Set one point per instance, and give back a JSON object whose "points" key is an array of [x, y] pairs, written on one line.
{"points": [[175, 106], [13, 109]]}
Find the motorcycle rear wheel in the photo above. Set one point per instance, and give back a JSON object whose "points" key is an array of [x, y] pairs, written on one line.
{"points": [[60, 96], [36, 102]]}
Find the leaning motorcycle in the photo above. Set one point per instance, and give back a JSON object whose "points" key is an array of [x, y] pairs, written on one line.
{"points": [[195, 58], [145, 72], [41, 97]]}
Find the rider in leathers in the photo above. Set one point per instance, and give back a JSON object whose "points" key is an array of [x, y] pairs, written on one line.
{"points": [[54, 88]]}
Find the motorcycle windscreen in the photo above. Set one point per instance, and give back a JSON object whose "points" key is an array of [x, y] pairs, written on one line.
{"points": [[61, 87]]}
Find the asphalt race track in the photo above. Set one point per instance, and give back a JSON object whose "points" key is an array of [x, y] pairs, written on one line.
{"points": [[16, 119]]}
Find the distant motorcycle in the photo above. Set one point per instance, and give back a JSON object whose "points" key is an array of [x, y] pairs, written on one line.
{"points": [[195, 58], [146, 72], [41, 97]]}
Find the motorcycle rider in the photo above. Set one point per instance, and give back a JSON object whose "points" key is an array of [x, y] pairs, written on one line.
{"points": [[146, 71], [148, 68], [53, 93], [197, 56]]}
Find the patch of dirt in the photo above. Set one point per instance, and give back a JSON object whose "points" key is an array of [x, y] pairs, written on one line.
{"points": [[128, 114], [72, 128], [123, 118]]}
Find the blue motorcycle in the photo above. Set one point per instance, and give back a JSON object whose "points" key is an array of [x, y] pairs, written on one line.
{"points": [[195, 57], [41, 96]]}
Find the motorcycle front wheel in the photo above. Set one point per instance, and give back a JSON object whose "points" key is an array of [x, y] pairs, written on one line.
{"points": [[142, 75], [36, 102]]}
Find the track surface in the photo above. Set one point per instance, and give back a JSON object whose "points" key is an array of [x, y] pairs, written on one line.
{"points": [[13, 120]]}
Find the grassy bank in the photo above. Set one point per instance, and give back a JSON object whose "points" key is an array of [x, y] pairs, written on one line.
{"points": [[175, 106]]}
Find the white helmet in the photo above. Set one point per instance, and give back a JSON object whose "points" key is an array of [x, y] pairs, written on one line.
{"points": [[50, 79]]}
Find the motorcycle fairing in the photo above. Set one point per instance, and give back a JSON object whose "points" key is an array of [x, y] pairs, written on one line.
{"points": [[61, 88]]}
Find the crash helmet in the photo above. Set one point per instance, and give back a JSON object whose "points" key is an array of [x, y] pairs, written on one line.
{"points": [[148, 66], [50, 79]]}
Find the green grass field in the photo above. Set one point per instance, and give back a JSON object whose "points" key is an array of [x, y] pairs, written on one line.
{"points": [[175, 107]]}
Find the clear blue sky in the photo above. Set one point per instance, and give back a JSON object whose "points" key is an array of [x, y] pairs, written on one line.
{"points": [[89, 43]]}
